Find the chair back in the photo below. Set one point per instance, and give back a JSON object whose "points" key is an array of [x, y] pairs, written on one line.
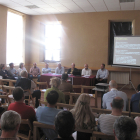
{"points": [[12, 82], [86, 87], [8, 88], [7, 102], [41, 85], [77, 87]]}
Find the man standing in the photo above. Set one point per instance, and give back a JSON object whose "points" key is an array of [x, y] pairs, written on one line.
{"points": [[25, 84], [102, 75], [109, 96], [72, 69], [46, 69], [86, 70], [59, 69], [12, 70], [125, 128], [106, 121], [10, 123], [34, 72]]}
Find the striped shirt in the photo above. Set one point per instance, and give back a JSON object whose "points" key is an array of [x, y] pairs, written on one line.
{"points": [[106, 122]]}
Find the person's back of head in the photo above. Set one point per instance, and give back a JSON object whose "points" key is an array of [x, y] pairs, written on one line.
{"points": [[117, 103], [10, 122], [125, 128], [18, 94], [64, 124], [24, 74], [64, 76], [112, 84], [52, 97], [55, 82]]}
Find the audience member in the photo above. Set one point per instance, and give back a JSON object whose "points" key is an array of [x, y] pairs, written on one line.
{"points": [[135, 101], [65, 86], [59, 69], [102, 75], [55, 83], [12, 70], [5, 74], [106, 121], [84, 118], [26, 112], [46, 69], [113, 92], [25, 84], [72, 69], [137, 120], [10, 123], [46, 114], [125, 128], [64, 125], [21, 68], [86, 70], [35, 72]]}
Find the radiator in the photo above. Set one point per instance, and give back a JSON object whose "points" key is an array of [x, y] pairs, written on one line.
{"points": [[120, 77]]}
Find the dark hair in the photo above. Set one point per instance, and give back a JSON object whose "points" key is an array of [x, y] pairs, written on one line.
{"points": [[103, 64], [1, 66], [138, 87], [18, 93], [11, 64], [125, 128], [64, 76], [20, 65], [52, 97], [64, 124], [117, 103]]}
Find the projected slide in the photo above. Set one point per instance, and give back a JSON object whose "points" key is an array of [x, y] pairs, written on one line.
{"points": [[127, 51]]}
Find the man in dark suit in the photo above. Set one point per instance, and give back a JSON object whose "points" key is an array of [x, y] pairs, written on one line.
{"points": [[72, 69]]}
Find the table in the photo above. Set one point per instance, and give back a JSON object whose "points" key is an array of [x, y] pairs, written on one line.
{"points": [[75, 80]]}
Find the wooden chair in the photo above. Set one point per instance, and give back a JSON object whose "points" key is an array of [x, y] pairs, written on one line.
{"points": [[86, 87], [66, 106], [30, 98], [7, 102], [4, 81], [12, 82], [23, 136], [38, 84], [36, 135], [77, 86]]}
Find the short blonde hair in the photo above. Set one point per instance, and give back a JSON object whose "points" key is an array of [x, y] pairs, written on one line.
{"points": [[24, 73], [82, 112], [55, 82]]}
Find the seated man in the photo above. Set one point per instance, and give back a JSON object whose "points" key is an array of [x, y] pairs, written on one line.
{"points": [[59, 69], [86, 70], [125, 128], [65, 86], [106, 121], [10, 123], [34, 72], [5, 74], [113, 92], [26, 112], [25, 84], [134, 103], [46, 114], [72, 69], [46, 69], [12, 70], [102, 75], [64, 125]]}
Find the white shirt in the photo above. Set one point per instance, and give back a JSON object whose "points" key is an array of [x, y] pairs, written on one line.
{"points": [[46, 70], [60, 71], [86, 72], [103, 74], [20, 70]]}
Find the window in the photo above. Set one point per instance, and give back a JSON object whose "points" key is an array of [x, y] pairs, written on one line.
{"points": [[52, 42], [14, 49]]}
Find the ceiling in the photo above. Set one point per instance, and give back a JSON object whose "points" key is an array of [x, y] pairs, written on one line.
{"points": [[69, 6]]}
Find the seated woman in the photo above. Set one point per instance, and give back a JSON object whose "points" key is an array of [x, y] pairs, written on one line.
{"points": [[4, 73], [21, 68], [55, 83], [84, 118]]}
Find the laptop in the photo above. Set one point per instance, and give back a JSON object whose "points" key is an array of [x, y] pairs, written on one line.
{"points": [[76, 73]]}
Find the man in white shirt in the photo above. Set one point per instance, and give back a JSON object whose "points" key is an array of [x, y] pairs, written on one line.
{"points": [[113, 92], [106, 121], [102, 75], [86, 70], [59, 69], [46, 69]]}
